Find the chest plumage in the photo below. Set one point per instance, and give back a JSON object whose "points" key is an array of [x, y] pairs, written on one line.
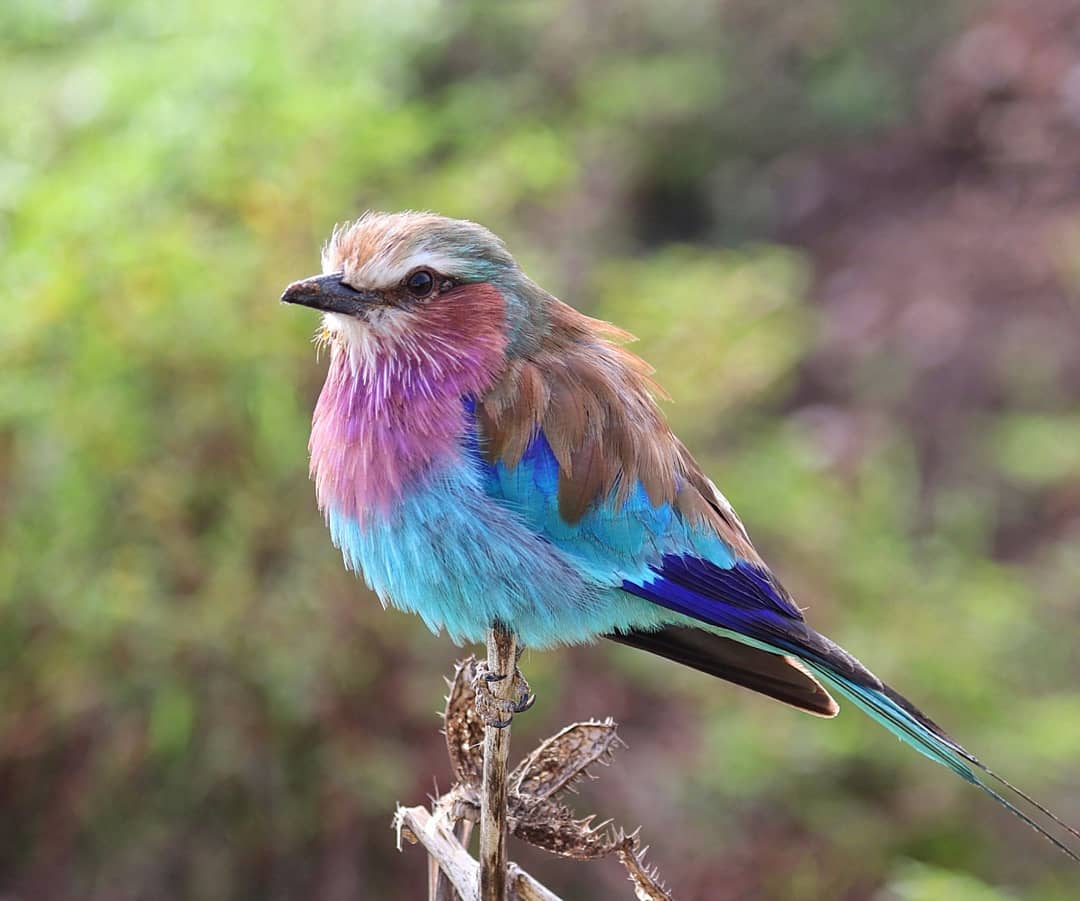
{"points": [[408, 495], [390, 411]]}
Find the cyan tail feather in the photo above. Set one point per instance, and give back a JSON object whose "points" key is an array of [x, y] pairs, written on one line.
{"points": [[751, 609], [906, 723]]}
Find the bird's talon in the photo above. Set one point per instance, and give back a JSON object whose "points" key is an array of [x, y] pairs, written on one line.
{"points": [[496, 711]]}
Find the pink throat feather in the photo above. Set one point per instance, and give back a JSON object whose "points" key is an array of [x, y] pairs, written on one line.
{"points": [[391, 412]]}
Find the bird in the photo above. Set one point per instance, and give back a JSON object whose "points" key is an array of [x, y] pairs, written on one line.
{"points": [[485, 454]]}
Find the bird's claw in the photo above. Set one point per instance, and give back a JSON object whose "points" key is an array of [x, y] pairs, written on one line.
{"points": [[495, 711], [524, 702]]}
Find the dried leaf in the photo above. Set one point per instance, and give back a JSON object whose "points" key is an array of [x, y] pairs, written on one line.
{"points": [[463, 727], [552, 828], [563, 759], [645, 877]]}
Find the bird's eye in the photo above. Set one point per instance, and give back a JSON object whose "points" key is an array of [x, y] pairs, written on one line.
{"points": [[420, 284]]}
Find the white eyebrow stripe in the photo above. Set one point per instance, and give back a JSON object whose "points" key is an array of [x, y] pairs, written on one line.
{"points": [[387, 269]]}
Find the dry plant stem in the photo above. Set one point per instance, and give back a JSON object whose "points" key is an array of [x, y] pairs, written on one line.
{"points": [[435, 835], [435, 880], [440, 887], [462, 872], [501, 659], [524, 888]]}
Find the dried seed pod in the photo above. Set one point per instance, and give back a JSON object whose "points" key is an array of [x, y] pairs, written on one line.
{"points": [[564, 759], [553, 828], [463, 727], [645, 877]]}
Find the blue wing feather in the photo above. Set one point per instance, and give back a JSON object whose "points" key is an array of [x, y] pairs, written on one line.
{"points": [[650, 551], [615, 539]]}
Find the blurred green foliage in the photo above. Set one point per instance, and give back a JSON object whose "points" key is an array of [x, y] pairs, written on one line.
{"points": [[199, 703]]}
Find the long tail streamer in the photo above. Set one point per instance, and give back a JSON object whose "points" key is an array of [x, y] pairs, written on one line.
{"points": [[925, 737]]}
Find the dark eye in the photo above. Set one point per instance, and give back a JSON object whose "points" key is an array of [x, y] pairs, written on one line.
{"points": [[421, 283]]}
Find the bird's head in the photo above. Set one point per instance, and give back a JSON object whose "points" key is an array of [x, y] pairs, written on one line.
{"points": [[394, 281], [433, 327]]}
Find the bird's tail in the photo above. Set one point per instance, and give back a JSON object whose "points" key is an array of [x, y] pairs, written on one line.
{"points": [[910, 725], [744, 603]]}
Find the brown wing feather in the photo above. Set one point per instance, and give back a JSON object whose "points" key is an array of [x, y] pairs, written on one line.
{"points": [[591, 471], [596, 404]]}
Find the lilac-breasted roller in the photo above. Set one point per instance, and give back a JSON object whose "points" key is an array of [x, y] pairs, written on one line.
{"points": [[483, 453]]}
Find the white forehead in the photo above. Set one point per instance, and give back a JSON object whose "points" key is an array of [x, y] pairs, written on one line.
{"points": [[378, 250]]}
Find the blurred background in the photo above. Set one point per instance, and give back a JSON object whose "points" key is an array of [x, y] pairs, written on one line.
{"points": [[847, 233]]}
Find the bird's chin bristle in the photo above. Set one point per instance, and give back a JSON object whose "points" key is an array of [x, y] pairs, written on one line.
{"points": [[322, 339]]}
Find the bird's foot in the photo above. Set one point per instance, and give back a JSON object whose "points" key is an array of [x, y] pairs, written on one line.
{"points": [[495, 711]]}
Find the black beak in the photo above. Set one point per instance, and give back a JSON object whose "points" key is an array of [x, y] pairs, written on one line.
{"points": [[329, 293]]}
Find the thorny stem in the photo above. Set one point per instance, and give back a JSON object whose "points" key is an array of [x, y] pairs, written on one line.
{"points": [[502, 659]]}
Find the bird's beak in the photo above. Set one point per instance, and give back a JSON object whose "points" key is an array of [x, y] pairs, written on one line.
{"points": [[329, 293]]}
